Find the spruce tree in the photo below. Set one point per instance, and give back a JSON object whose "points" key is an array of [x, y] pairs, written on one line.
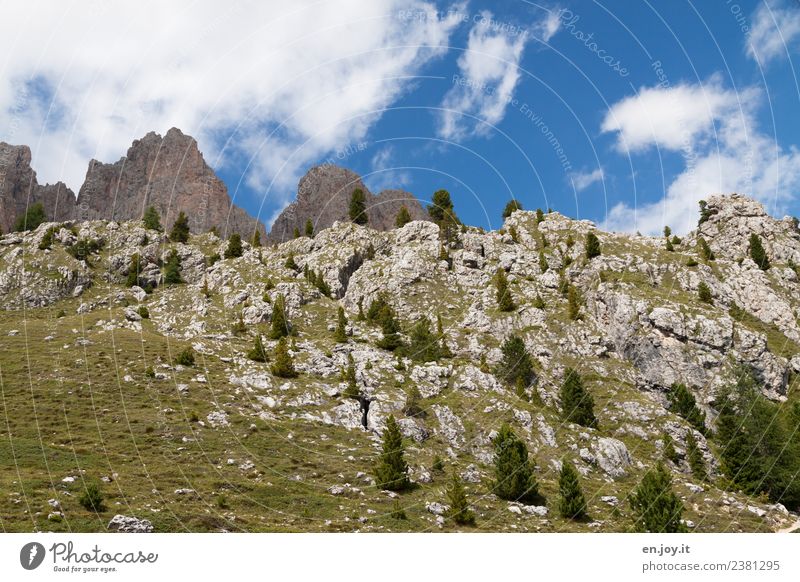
{"points": [[704, 293], [573, 302], [309, 228], [705, 251], [341, 326], [655, 506], [391, 471], [442, 212], [234, 248], [296, 232], [280, 326], [577, 403], [669, 246], [358, 207], [403, 217], [514, 477], [151, 219], [134, 269], [683, 403], [571, 502], [669, 448], [172, 269], [592, 246], [667, 232], [459, 510], [258, 353], [391, 330], [511, 208], [180, 229], [32, 218], [290, 263], [255, 242], [539, 215], [516, 364], [757, 252], [505, 302], [695, 457], [283, 366], [543, 266], [424, 346], [352, 390]]}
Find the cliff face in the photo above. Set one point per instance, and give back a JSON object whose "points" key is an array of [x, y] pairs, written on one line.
{"points": [[170, 174], [19, 189], [323, 196]]}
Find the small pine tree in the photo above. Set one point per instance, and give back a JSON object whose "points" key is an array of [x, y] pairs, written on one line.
{"points": [[391, 329], [172, 269], [341, 327], [683, 403], [511, 208], [705, 212], [151, 219], [234, 248], [516, 364], [655, 506], [280, 326], [576, 401], [669, 246], [539, 215], [255, 242], [296, 232], [592, 246], [134, 268], [391, 471], [283, 366], [180, 229], [442, 212], [571, 502], [514, 477], [352, 390], [543, 266], [669, 448], [505, 302], [573, 303], [32, 218], [258, 353], [695, 457], [705, 251], [358, 207], [757, 252], [459, 510], [538, 302], [704, 293], [403, 217], [92, 498], [309, 228], [47, 239], [667, 232], [290, 263], [424, 346], [185, 357]]}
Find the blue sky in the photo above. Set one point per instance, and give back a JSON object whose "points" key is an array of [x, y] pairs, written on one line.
{"points": [[621, 112]]}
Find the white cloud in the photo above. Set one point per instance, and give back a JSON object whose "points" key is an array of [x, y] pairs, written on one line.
{"points": [[582, 180], [488, 74], [384, 174], [774, 28], [722, 147], [82, 80]]}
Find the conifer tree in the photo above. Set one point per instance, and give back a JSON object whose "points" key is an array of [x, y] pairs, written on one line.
{"points": [[655, 506], [704, 293], [151, 219], [296, 232], [705, 251], [669, 246], [695, 457], [424, 346], [757, 252], [180, 229], [283, 366], [539, 215], [352, 390], [234, 248], [309, 228], [290, 263], [134, 269], [667, 232], [514, 478], [391, 329], [576, 402], [341, 326], [391, 472], [543, 266], [505, 302], [358, 207], [669, 448], [258, 353], [32, 218], [443, 213], [403, 217], [280, 326], [172, 269], [573, 302], [459, 510], [592, 246], [255, 242], [538, 302], [571, 502], [683, 403], [512, 206], [516, 365]]}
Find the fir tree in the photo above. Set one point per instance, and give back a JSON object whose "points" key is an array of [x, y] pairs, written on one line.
{"points": [[511, 208], [655, 506], [573, 303], [358, 207], [683, 403], [695, 457], [669, 448], [592, 246], [705, 251], [341, 326], [391, 330], [705, 212], [669, 247], [505, 302], [571, 502], [258, 353], [296, 232], [255, 242], [516, 364], [539, 215], [309, 228], [391, 472], [459, 510], [172, 269], [134, 269], [576, 401], [234, 248], [47, 239], [352, 390], [280, 326], [413, 407], [180, 229], [424, 346], [290, 263], [757, 252], [32, 218], [403, 217], [704, 293], [543, 266], [442, 212], [667, 232], [151, 219], [283, 366], [514, 478]]}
